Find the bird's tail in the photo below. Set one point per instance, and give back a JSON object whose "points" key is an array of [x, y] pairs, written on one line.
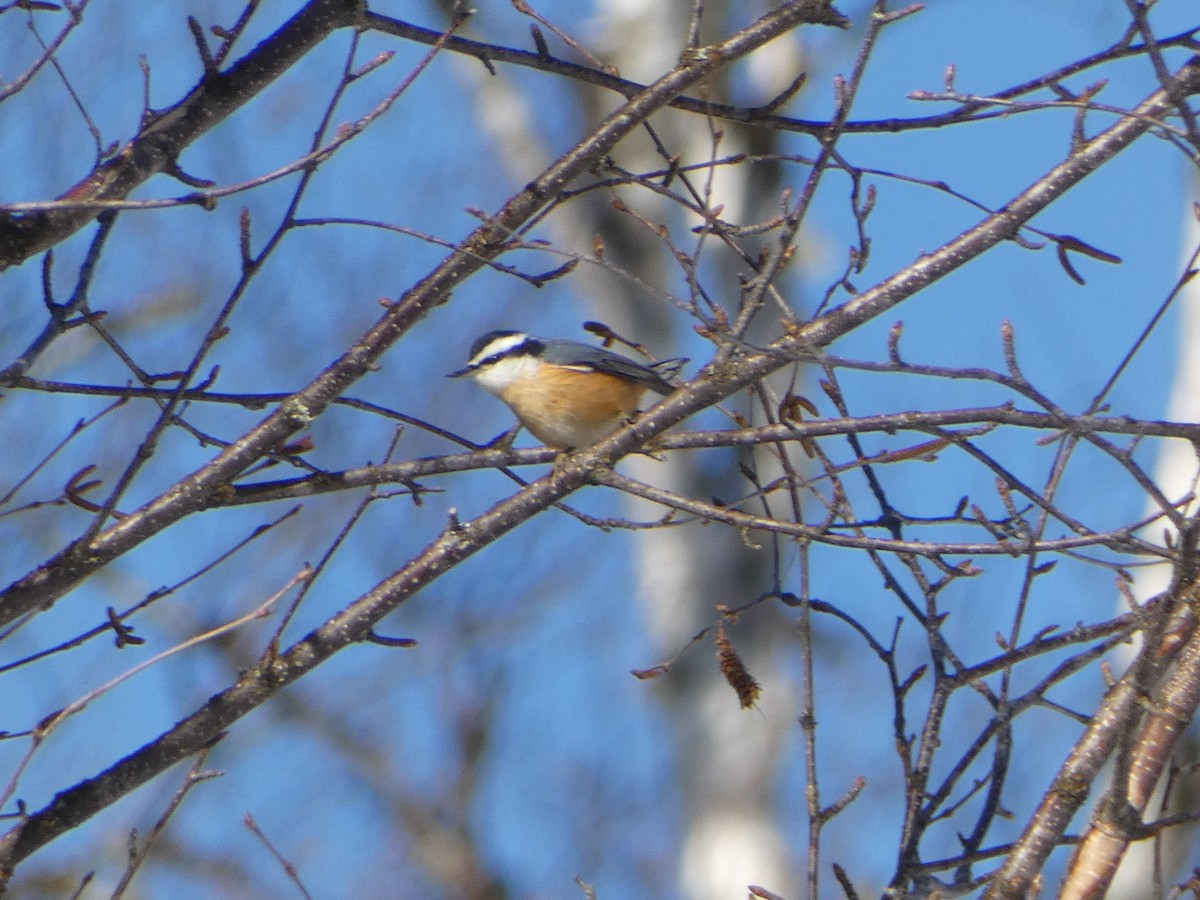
{"points": [[668, 369]]}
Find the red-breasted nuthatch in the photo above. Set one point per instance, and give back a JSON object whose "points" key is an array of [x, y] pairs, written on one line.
{"points": [[567, 394]]}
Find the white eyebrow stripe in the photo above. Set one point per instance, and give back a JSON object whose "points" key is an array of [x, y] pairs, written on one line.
{"points": [[499, 345]]}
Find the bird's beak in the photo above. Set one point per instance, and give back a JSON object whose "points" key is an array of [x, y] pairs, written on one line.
{"points": [[461, 372]]}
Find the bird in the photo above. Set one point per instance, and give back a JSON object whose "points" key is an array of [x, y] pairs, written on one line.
{"points": [[566, 393]]}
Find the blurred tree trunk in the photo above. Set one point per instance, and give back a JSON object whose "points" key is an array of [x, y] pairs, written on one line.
{"points": [[728, 773], [1176, 474]]}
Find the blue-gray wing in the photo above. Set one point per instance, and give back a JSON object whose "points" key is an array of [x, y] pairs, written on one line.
{"points": [[570, 353]]}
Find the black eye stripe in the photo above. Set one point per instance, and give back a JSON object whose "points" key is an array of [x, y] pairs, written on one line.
{"points": [[528, 347], [484, 339]]}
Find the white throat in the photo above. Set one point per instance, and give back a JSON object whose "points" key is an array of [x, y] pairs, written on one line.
{"points": [[505, 372]]}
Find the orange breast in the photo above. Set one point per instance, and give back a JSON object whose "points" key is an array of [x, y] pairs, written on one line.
{"points": [[567, 408]]}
